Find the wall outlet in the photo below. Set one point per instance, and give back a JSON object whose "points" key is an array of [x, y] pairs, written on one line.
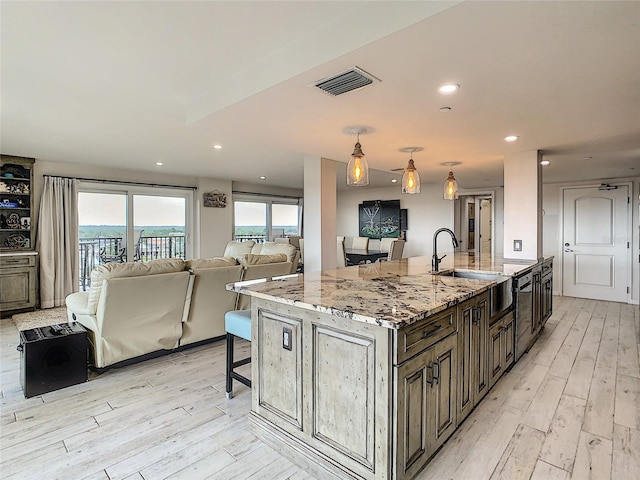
{"points": [[287, 339], [517, 245]]}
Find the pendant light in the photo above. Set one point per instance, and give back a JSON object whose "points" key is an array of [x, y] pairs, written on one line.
{"points": [[358, 168], [450, 187], [410, 177]]}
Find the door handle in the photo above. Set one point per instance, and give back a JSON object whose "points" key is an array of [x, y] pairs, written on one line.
{"points": [[568, 250]]}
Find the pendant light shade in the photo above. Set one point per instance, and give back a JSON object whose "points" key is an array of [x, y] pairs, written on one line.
{"points": [[410, 177], [358, 168], [450, 187]]}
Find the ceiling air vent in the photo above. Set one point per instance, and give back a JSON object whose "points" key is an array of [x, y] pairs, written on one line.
{"points": [[344, 82]]}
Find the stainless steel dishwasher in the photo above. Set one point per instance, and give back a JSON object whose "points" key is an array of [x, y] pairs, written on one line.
{"points": [[523, 298]]}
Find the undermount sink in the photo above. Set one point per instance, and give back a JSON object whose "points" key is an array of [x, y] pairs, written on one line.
{"points": [[468, 274], [501, 297]]}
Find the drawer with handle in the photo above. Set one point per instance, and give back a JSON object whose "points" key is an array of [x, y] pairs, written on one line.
{"points": [[416, 338], [17, 260]]}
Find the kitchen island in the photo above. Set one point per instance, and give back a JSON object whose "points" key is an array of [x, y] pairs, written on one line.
{"points": [[364, 372]]}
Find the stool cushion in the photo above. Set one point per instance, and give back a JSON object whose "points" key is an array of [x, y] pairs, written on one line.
{"points": [[238, 323]]}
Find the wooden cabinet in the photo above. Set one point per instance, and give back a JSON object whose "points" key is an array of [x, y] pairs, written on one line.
{"points": [[546, 292], [501, 347], [17, 281], [426, 405], [473, 373], [16, 184]]}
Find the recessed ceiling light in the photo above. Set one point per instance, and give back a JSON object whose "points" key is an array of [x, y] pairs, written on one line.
{"points": [[588, 158], [217, 146], [448, 88], [544, 163], [450, 164], [445, 109], [262, 177], [511, 138], [395, 180], [159, 164]]}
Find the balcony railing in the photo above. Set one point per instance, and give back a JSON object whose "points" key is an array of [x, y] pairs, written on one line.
{"points": [[256, 238], [148, 248]]}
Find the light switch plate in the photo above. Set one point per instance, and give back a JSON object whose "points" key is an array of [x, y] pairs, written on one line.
{"points": [[517, 245], [286, 338]]}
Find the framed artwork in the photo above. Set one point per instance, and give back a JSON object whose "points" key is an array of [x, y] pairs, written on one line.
{"points": [[379, 219]]}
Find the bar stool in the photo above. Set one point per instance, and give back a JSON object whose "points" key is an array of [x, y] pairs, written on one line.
{"points": [[237, 323]]}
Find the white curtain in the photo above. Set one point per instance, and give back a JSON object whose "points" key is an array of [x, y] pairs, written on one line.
{"points": [[57, 241]]}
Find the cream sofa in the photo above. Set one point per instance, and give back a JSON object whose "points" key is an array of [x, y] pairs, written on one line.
{"points": [[135, 309], [234, 249]]}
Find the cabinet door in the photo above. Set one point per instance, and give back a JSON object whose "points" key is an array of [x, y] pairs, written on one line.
{"points": [[443, 404], [466, 319], [480, 336], [426, 405], [496, 365], [547, 298], [536, 318], [17, 288], [508, 340], [414, 416]]}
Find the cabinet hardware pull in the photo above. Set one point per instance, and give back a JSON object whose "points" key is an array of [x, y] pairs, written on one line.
{"points": [[428, 333], [436, 375], [476, 314], [430, 380]]}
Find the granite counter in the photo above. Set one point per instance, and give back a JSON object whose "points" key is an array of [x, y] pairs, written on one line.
{"points": [[390, 294]]}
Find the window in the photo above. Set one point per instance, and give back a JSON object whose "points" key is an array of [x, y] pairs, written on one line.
{"points": [[119, 223], [265, 219]]}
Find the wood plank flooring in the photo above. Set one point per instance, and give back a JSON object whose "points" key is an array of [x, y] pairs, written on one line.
{"points": [[570, 409]]}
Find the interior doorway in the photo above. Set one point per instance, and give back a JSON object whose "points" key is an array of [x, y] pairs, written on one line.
{"points": [[475, 225]]}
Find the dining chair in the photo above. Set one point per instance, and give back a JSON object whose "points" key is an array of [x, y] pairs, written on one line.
{"points": [[348, 242], [341, 258], [385, 243], [395, 250], [360, 243], [301, 245]]}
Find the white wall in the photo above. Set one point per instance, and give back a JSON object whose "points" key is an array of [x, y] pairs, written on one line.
{"points": [[522, 204], [552, 229], [426, 212]]}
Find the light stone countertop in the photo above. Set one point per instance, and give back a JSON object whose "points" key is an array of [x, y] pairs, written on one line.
{"points": [[390, 294]]}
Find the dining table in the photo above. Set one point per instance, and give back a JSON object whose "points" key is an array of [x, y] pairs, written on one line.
{"points": [[356, 255]]}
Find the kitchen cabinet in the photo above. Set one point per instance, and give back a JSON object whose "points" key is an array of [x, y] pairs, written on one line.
{"points": [[546, 292], [17, 281], [426, 405], [473, 372], [501, 347]]}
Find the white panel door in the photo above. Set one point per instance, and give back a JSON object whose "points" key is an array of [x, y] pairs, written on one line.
{"points": [[595, 248]]}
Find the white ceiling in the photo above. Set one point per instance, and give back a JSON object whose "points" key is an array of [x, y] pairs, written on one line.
{"points": [[127, 84]]}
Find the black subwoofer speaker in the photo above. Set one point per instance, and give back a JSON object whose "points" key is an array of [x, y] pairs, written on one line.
{"points": [[52, 358]]}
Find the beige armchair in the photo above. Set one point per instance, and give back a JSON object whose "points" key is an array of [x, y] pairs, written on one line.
{"points": [[210, 299], [132, 309]]}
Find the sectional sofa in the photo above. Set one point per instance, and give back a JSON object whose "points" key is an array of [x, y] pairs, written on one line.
{"points": [[136, 309]]}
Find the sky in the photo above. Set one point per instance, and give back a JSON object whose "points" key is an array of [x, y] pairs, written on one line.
{"points": [[249, 214], [110, 209]]}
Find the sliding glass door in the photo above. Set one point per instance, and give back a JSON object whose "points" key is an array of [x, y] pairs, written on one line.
{"points": [[124, 223]]}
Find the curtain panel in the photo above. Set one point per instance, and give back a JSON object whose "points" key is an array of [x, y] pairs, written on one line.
{"points": [[57, 241]]}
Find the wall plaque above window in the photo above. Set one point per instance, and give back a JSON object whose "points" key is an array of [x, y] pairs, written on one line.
{"points": [[214, 199]]}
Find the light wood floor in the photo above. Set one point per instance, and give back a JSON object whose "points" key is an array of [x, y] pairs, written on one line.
{"points": [[569, 409]]}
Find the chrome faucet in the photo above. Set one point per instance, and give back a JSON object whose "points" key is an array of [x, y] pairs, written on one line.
{"points": [[435, 261]]}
